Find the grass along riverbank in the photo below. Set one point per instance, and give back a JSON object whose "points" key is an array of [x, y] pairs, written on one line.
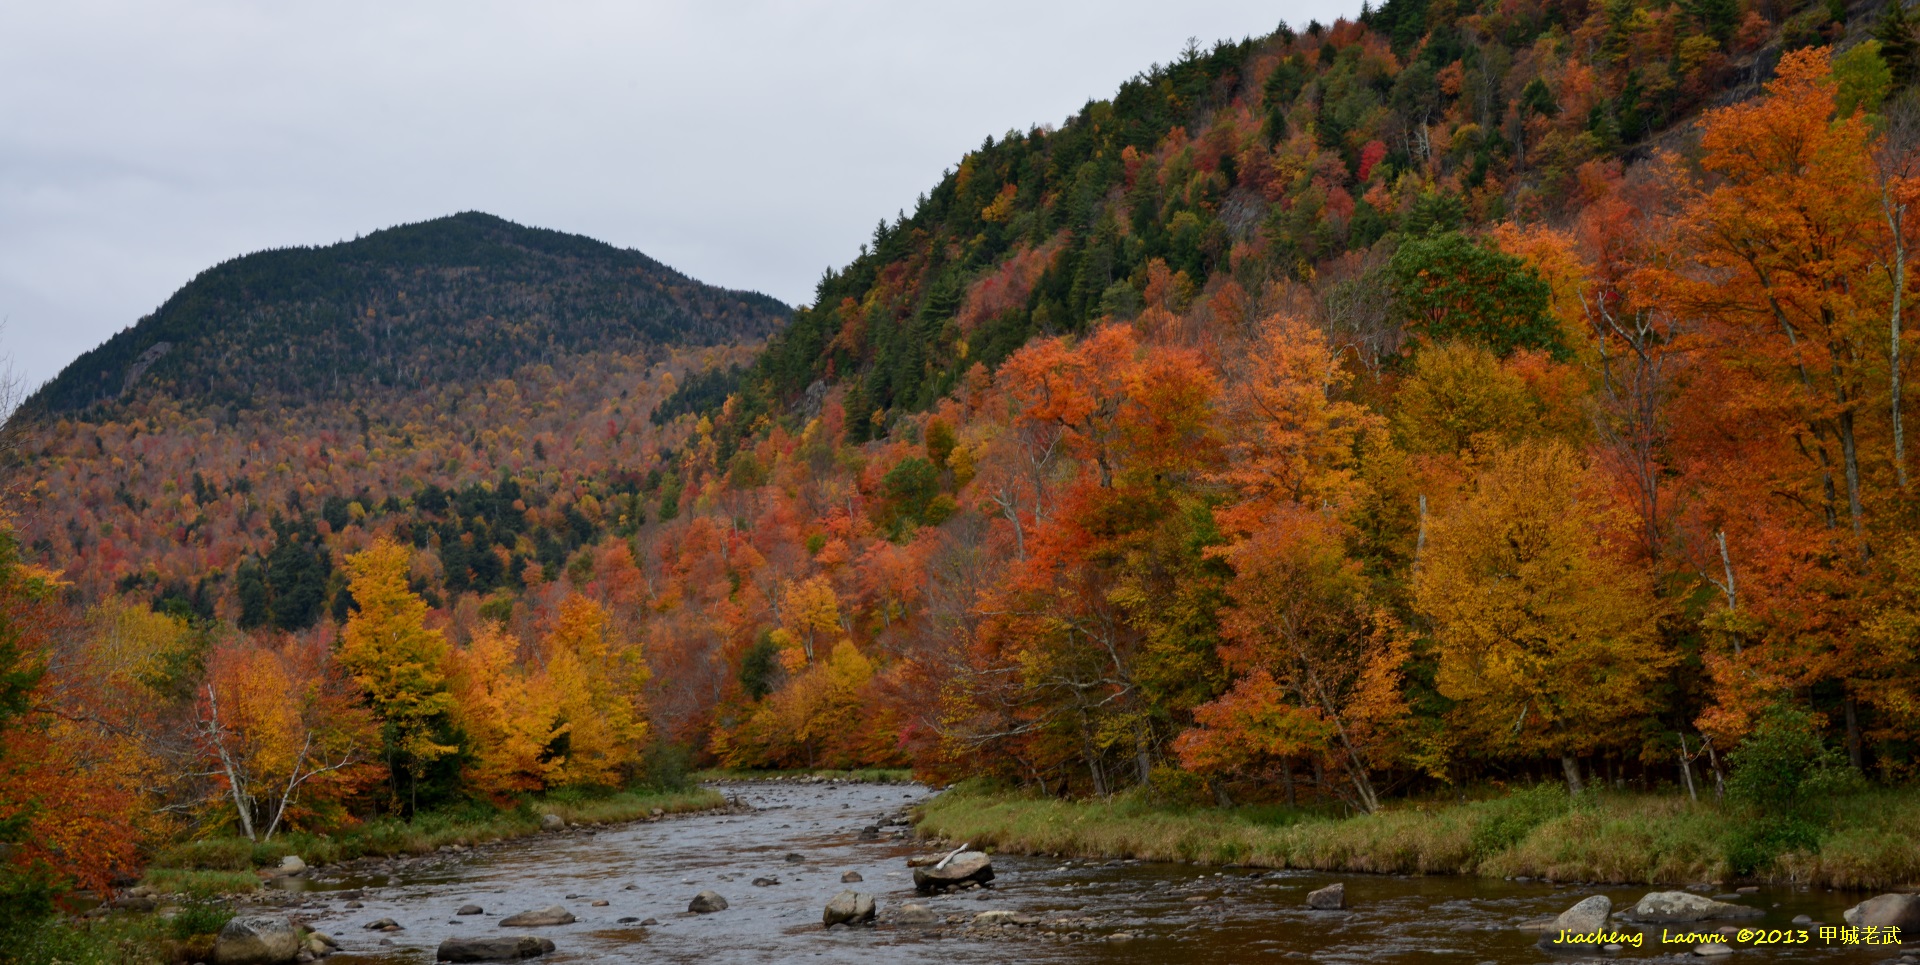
{"points": [[225, 865], [1872, 840]]}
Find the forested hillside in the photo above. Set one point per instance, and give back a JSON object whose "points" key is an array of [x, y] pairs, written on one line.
{"points": [[454, 300], [1459, 396], [1303, 157]]}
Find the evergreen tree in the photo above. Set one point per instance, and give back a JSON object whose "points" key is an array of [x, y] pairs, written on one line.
{"points": [[1898, 46], [1449, 286]]}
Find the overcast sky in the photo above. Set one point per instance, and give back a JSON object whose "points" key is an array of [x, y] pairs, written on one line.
{"points": [[748, 144]]}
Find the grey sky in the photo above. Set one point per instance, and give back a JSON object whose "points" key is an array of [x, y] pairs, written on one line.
{"points": [[749, 144]]}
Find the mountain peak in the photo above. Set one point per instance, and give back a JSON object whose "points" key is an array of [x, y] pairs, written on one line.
{"points": [[470, 295]]}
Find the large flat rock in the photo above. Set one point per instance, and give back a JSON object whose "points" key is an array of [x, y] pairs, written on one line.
{"points": [[1662, 907], [498, 949], [551, 915], [974, 866]]}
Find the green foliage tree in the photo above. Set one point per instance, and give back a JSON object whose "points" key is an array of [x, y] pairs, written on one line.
{"points": [[1865, 79], [297, 574], [1449, 286], [1899, 45], [1785, 772]]}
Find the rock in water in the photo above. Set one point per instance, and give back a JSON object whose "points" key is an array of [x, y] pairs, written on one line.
{"points": [[552, 822], [914, 913], [292, 865], [963, 867], [848, 908], [1895, 911], [256, 940], [1331, 898], [851, 877], [707, 902], [492, 949], [553, 915], [1662, 907], [1587, 915], [471, 910]]}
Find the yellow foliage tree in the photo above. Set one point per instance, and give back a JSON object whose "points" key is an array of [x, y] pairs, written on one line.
{"points": [[1547, 642], [509, 718], [811, 613], [597, 697], [1459, 394], [397, 661]]}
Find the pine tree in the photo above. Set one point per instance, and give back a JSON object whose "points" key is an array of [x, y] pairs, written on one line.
{"points": [[1898, 46]]}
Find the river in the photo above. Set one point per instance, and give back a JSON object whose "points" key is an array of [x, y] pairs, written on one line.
{"points": [[1168, 913]]}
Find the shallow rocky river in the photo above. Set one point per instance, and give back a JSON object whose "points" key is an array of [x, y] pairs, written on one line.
{"points": [[1071, 911]]}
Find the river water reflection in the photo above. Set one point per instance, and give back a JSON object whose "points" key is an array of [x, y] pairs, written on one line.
{"points": [[1173, 913]]}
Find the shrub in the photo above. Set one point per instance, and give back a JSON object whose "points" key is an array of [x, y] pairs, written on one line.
{"points": [[1787, 775], [199, 918], [1506, 821]]}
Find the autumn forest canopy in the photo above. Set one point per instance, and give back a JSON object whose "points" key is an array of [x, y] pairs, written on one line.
{"points": [[1465, 395]]}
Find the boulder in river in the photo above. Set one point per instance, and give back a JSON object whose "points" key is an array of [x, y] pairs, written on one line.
{"points": [[967, 866], [384, 924], [848, 908], [501, 949], [1896, 911], [765, 882], [551, 915], [256, 940], [291, 865], [850, 877], [552, 822], [707, 902], [1664, 907], [1331, 898], [471, 910], [1587, 916]]}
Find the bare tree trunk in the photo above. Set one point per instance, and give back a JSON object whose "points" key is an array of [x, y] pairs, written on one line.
{"points": [[1854, 756], [1850, 458], [1571, 767], [1686, 771], [1893, 355], [1142, 758], [242, 801], [1894, 159], [1719, 778], [1220, 798], [1420, 539]]}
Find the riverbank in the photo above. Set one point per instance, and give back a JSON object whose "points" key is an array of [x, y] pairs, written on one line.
{"points": [[868, 775], [1873, 840], [226, 865]]}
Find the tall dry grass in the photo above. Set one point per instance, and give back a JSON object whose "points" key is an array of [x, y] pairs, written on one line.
{"points": [[1540, 832], [475, 823]]}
